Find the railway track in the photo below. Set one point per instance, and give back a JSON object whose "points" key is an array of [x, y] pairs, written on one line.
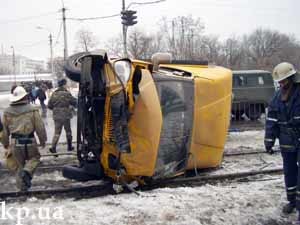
{"points": [[240, 153], [102, 188], [44, 167], [65, 188]]}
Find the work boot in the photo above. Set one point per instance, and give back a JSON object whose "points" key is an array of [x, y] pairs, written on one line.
{"points": [[26, 180], [53, 151], [289, 208], [70, 146]]}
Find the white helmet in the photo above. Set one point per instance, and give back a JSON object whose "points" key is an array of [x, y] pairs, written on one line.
{"points": [[18, 93], [282, 71]]}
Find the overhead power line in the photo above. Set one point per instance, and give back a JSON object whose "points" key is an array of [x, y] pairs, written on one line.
{"points": [[58, 35], [94, 18], [144, 3], [117, 14]]}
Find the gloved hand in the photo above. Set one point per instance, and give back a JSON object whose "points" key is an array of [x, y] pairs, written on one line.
{"points": [[269, 150]]}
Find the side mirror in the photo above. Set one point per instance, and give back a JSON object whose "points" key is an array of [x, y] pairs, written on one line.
{"points": [[123, 70]]}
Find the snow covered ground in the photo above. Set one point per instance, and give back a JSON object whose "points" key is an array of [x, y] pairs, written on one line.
{"points": [[238, 203], [244, 203]]}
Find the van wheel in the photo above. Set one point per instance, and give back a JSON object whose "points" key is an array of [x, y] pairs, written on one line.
{"points": [[73, 66], [254, 112]]}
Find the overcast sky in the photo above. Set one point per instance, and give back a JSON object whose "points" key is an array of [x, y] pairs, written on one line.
{"points": [[19, 19]]}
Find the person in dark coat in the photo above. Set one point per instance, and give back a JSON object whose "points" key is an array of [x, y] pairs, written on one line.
{"points": [[283, 122], [41, 95], [61, 103]]}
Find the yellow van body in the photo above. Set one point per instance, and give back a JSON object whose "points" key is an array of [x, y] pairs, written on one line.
{"points": [[211, 116], [152, 124]]}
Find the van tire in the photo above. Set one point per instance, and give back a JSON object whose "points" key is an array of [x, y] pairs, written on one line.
{"points": [[73, 67]]}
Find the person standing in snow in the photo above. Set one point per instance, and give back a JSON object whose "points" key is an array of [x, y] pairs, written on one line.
{"points": [[61, 103], [283, 122], [20, 122], [41, 95]]}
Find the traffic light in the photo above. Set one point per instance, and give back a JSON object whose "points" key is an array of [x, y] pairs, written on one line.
{"points": [[128, 17]]}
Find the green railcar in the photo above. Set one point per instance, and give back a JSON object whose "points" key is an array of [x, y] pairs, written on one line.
{"points": [[252, 91]]}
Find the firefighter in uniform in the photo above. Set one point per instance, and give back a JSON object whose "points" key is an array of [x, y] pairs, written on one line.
{"points": [[20, 122], [61, 102], [283, 122]]}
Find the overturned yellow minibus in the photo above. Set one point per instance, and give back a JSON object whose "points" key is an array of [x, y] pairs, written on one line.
{"points": [[144, 121]]}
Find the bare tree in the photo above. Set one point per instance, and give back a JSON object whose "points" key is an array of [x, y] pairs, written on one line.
{"points": [[265, 48], [86, 40], [290, 52], [210, 49], [233, 53], [58, 67], [114, 46], [263, 44], [143, 46], [182, 36]]}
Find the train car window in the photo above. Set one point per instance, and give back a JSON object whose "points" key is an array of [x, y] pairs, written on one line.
{"points": [[268, 79], [252, 80], [261, 80], [238, 81]]}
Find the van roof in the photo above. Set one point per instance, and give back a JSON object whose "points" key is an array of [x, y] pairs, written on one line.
{"points": [[250, 71]]}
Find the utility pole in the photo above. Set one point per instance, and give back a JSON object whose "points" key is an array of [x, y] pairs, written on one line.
{"points": [[51, 47], [65, 33], [14, 64], [51, 54], [124, 33]]}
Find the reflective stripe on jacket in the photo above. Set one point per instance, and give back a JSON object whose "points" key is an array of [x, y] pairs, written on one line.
{"points": [[283, 121]]}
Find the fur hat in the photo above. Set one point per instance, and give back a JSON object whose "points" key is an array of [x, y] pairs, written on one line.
{"points": [[62, 82]]}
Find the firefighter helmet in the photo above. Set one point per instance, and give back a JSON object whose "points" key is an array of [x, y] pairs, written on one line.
{"points": [[18, 93], [282, 71]]}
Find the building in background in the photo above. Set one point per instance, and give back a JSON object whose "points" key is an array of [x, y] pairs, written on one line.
{"points": [[23, 65]]}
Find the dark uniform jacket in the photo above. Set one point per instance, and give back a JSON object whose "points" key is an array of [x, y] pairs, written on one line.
{"points": [[41, 94], [61, 103], [283, 121]]}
